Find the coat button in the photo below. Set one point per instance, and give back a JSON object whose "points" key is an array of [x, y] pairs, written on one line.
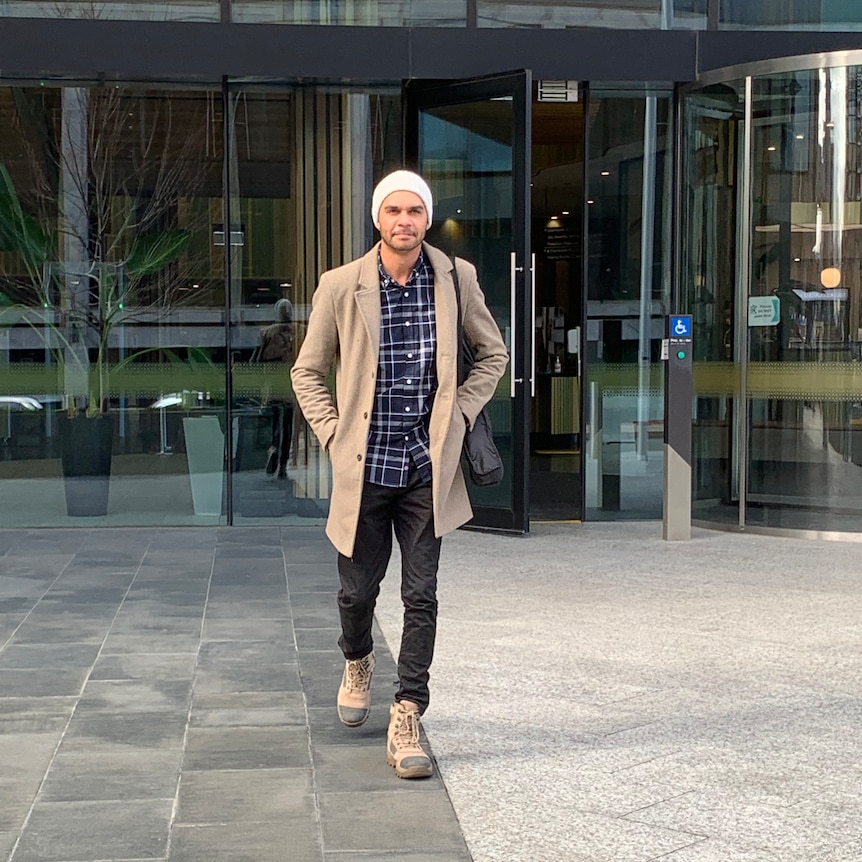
{"points": [[364, 415], [358, 457]]}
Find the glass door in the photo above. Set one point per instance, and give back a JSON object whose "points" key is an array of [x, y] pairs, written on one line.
{"points": [[471, 141]]}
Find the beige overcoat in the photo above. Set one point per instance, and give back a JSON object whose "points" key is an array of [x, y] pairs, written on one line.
{"points": [[344, 329]]}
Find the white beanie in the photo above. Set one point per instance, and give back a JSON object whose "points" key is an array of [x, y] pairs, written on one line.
{"points": [[400, 181]]}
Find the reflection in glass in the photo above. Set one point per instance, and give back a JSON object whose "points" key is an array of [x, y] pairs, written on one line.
{"points": [[616, 14], [619, 14], [106, 273], [788, 454], [303, 164], [708, 283], [466, 158], [805, 259], [799, 15], [369, 13], [126, 10], [628, 289]]}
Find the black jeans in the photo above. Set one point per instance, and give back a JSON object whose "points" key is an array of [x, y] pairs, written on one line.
{"points": [[282, 433], [410, 512]]}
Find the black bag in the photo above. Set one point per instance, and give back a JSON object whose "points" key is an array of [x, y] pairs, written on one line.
{"points": [[481, 456]]}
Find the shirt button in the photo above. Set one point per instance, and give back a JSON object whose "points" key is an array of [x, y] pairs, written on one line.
{"points": [[407, 323], [407, 293], [409, 355], [406, 409], [409, 381]]}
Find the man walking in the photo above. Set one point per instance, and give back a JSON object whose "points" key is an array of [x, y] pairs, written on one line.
{"points": [[394, 431]]}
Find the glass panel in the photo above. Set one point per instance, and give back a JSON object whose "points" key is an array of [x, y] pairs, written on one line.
{"points": [[628, 14], [804, 321], [302, 165], [111, 295], [128, 10], [713, 128], [466, 154], [557, 227], [628, 288], [691, 14], [373, 13], [620, 14], [791, 15]]}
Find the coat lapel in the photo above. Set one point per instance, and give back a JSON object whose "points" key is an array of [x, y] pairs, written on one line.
{"points": [[445, 312], [368, 299]]}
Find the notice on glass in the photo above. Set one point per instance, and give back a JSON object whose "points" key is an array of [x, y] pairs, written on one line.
{"points": [[764, 310]]}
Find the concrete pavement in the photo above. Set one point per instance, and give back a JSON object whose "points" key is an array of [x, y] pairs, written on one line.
{"points": [[600, 695], [597, 694]]}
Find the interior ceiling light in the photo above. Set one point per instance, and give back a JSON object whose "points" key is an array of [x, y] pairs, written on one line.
{"points": [[771, 149], [830, 277], [606, 173]]}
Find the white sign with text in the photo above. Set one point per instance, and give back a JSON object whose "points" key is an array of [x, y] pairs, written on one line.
{"points": [[764, 310]]}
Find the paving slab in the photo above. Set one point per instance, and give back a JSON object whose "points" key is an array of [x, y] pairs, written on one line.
{"points": [[117, 776], [297, 840], [246, 795], [71, 831]]}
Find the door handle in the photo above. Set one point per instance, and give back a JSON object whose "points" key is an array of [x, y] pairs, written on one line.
{"points": [[532, 322], [514, 338]]}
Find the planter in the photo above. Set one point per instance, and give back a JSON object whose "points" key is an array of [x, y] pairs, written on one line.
{"points": [[205, 453], [87, 444]]}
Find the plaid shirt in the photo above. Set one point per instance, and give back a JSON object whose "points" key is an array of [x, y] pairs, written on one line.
{"points": [[406, 378]]}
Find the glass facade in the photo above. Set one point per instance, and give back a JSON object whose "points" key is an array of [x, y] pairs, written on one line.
{"points": [[160, 244], [628, 293], [136, 294], [774, 179], [111, 314], [614, 14], [472, 174], [790, 15], [126, 10]]}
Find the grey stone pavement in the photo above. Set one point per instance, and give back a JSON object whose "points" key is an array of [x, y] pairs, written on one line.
{"points": [[597, 694]]}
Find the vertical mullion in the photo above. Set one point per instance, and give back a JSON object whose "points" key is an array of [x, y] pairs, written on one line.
{"points": [[227, 227], [472, 13], [713, 14]]}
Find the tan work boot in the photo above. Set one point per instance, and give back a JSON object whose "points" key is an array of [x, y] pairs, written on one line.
{"points": [[354, 693], [403, 750]]}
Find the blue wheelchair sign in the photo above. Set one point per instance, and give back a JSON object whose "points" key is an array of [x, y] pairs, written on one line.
{"points": [[680, 326]]}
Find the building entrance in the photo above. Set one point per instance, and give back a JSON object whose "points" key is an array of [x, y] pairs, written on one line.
{"points": [[557, 231], [581, 419]]}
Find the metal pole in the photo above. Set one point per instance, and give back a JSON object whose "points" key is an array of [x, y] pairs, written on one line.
{"points": [[647, 244], [743, 288]]}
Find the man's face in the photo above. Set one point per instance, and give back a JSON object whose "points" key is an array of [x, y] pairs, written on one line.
{"points": [[403, 221]]}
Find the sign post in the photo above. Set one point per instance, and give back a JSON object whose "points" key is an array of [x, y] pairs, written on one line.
{"points": [[676, 351]]}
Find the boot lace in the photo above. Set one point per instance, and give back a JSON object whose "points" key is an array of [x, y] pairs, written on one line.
{"points": [[359, 674], [406, 734]]}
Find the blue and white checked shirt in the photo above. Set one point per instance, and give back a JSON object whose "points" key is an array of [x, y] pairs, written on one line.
{"points": [[406, 378]]}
